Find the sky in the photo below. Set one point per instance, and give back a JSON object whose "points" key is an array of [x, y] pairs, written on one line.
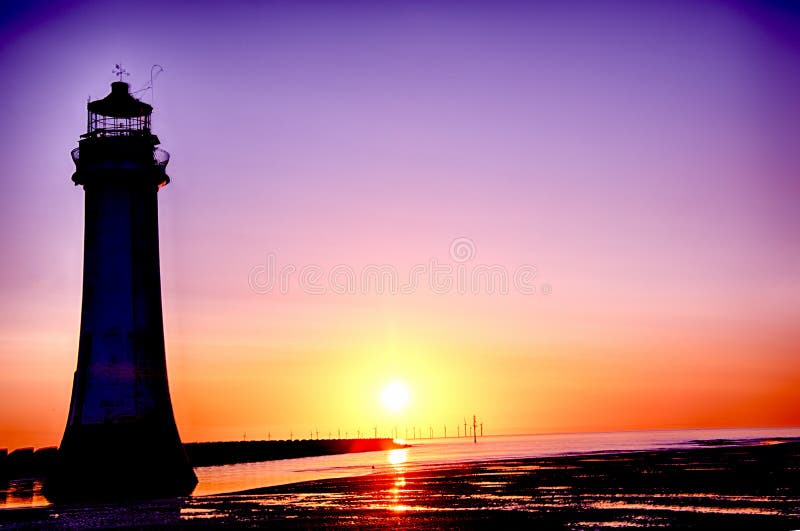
{"points": [[633, 166]]}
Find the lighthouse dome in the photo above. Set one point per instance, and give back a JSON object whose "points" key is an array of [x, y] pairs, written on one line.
{"points": [[119, 103], [118, 114]]}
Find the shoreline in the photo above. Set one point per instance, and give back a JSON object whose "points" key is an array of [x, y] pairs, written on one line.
{"points": [[753, 484]]}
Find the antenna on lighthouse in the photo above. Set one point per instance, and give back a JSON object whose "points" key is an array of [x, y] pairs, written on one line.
{"points": [[154, 71]]}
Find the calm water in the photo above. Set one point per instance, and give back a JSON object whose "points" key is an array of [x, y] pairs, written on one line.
{"points": [[432, 452], [423, 453]]}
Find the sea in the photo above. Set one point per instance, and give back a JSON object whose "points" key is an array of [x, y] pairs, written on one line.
{"points": [[422, 453]]}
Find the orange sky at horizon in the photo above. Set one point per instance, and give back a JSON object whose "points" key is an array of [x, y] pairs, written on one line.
{"points": [[234, 377]]}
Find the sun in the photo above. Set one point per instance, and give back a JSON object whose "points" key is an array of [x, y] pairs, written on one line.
{"points": [[395, 396]]}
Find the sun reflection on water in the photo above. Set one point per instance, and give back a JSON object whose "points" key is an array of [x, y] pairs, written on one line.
{"points": [[397, 457]]}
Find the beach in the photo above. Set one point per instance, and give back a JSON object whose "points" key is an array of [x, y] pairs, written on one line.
{"points": [[732, 484]]}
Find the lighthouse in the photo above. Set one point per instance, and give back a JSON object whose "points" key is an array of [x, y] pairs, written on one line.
{"points": [[121, 440]]}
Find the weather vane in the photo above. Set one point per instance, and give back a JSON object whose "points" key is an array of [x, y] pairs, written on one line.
{"points": [[119, 71]]}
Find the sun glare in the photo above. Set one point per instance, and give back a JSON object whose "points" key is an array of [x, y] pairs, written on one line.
{"points": [[395, 396]]}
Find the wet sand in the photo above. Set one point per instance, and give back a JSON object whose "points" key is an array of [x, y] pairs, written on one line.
{"points": [[718, 484]]}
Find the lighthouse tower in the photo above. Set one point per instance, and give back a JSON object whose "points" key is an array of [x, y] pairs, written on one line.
{"points": [[121, 439]]}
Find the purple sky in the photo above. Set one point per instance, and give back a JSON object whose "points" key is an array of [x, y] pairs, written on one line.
{"points": [[643, 156]]}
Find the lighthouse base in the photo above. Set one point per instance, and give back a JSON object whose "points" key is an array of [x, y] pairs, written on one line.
{"points": [[120, 462]]}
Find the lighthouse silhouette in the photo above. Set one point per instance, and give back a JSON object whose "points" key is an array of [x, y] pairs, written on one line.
{"points": [[121, 440]]}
